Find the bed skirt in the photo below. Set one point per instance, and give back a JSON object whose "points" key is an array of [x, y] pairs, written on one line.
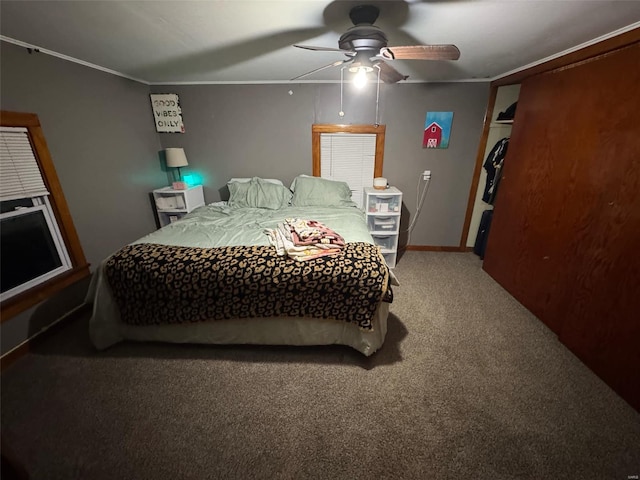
{"points": [[107, 329]]}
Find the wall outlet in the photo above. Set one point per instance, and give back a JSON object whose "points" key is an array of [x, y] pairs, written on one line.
{"points": [[426, 175]]}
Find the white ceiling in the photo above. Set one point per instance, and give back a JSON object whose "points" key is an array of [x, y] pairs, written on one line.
{"points": [[250, 41]]}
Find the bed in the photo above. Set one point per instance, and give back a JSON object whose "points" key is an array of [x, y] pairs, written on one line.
{"points": [[255, 295]]}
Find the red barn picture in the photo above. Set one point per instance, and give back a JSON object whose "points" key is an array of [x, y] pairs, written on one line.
{"points": [[437, 130], [432, 136]]}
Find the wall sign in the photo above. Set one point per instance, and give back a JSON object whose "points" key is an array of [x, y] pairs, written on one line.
{"points": [[167, 113]]}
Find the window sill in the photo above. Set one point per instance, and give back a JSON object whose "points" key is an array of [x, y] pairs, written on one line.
{"points": [[21, 302]]}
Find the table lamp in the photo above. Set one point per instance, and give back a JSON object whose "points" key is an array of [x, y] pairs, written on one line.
{"points": [[176, 158]]}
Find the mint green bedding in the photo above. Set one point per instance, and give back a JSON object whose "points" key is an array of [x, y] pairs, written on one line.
{"points": [[219, 225]]}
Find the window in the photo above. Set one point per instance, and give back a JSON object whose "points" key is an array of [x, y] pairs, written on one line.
{"points": [[349, 157], [31, 247], [349, 153], [39, 249]]}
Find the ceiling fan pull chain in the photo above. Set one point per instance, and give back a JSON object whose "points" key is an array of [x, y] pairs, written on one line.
{"points": [[341, 112], [377, 94]]}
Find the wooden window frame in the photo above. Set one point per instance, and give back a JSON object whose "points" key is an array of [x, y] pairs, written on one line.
{"points": [[378, 130], [79, 266]]}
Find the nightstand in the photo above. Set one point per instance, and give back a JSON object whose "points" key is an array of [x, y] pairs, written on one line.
{"points": [[383, 210], [171, 205]]}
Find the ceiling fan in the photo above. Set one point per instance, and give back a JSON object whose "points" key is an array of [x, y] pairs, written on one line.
{"points": [[365, 46]]}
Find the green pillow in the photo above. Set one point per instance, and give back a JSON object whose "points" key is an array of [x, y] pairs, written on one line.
{"points": [[320, 192], [258, 193]]}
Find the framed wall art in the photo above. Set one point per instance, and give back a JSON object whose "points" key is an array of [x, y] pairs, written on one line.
{"points": [[437, 130], [167, 113]]}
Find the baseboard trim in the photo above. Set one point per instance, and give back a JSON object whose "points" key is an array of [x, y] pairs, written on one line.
{"points": [[22, 349]]}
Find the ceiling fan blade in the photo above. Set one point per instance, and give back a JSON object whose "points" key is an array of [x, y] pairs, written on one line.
{"points": [[334, 64], [388, 74], [421, 52], [325, 49]]}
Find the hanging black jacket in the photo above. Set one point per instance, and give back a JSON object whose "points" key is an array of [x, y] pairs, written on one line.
{"points": [[493, 166]]}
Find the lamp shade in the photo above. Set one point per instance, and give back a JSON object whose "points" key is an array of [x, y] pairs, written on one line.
{"points": [[175, 157]]}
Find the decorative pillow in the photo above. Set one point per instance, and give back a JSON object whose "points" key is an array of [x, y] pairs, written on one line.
{"points": [[258, 193], [320, 192]]}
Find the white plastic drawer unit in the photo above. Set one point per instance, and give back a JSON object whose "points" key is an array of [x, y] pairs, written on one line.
{"points": [[172, 205], [383, 224], [383, 211], [381, 203], [385, 242], [390, 258]]}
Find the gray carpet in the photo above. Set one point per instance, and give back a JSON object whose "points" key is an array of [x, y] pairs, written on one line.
{"points": [[469, 385]]}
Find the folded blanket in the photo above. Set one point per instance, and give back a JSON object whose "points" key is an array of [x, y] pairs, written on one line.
{"points": [[304, 239], [312, 232]]}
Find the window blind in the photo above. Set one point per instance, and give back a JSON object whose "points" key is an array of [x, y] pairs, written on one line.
{"points": [[20, 175], [350, 158]]}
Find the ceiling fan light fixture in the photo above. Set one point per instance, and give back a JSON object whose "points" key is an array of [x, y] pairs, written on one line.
{"points": [[366, 42], [362, 60], [361, 68], [360, 78]]}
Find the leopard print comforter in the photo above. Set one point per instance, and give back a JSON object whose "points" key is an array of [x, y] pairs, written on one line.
{"points": [[162, 284]]}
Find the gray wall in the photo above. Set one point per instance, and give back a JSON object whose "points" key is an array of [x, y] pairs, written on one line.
{"points": [[99, 129], [100, 133]]}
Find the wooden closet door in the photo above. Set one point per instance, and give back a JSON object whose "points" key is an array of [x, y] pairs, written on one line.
{"points": [[565, 237], [529, 227]]}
